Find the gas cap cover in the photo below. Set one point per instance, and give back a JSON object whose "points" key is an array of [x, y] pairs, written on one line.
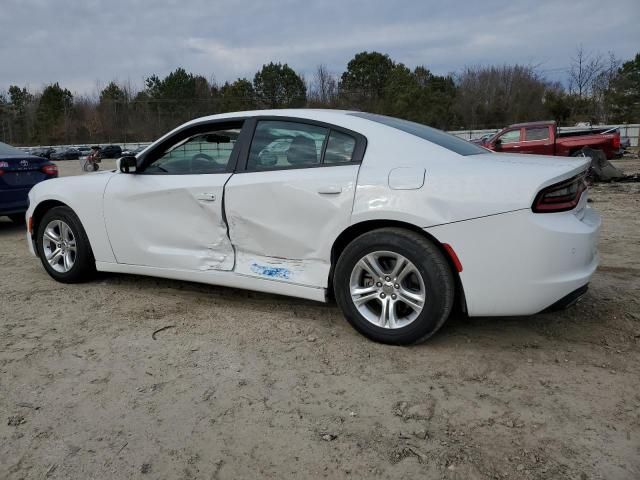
{"points": [[406, 178]]}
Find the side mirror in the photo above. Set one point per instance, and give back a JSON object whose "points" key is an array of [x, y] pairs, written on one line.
{"points": [[497, 144], [127, 164]]}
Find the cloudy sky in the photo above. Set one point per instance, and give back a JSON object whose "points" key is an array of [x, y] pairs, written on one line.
{"points": [[86, 43]]}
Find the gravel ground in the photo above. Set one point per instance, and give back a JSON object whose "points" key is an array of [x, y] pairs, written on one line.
{"points": [[248, 385]]}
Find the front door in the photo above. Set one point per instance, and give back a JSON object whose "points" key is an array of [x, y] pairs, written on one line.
{"points": [[170, 214], [292, 198], [508, 142]]}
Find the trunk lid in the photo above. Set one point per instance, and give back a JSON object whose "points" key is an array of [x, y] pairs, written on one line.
{"points": [[21, 171]]}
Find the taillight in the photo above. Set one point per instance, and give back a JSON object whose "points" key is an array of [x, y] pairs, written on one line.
{"points": [[3, 165], [616, 140], [50, 170], [560, 197], [1, 172]]}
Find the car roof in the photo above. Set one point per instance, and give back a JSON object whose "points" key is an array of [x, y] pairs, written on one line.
{"points": [[320, 114], [540, 123]]}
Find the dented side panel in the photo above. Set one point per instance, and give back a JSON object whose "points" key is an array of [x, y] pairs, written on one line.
{"points": [[301, 272], [282, 225], [168, 221]]}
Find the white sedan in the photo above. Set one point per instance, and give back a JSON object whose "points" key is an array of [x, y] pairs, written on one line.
{"points": [[400, 222]]}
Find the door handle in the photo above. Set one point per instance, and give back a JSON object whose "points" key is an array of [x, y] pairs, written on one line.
{"points": [[206, 197], [330, 189]]}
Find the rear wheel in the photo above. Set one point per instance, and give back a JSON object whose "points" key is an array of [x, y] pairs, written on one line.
{"points": [[63, 246], [394, 286]]}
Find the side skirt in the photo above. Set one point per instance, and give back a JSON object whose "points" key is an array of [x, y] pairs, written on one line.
{"points": [[222, 278]]}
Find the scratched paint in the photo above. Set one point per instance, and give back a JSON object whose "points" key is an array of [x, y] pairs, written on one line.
{"points": [[271, 271]]}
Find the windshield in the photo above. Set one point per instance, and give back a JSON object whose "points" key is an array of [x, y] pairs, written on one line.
{"points": [[9, 150], [433, 135]]}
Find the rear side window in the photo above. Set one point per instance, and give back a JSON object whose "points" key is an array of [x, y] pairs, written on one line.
{"points": [[283, 144], [433, 135], [9, 150], [536, 133], [340, 147]]}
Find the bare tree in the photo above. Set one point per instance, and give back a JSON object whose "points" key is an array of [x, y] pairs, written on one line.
{"points": [[585, 68], [324, 87]]}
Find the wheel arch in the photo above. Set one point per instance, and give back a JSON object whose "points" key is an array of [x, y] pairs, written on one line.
{"points": [[360, 228], [39, 212]]}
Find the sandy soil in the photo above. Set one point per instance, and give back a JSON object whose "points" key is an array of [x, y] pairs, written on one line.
{"points": [[247, 385]]}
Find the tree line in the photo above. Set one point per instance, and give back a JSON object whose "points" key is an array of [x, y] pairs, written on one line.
{"points": [[600, 90]]}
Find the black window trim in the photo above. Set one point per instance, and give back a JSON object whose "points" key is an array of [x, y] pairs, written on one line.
{"points": [[204, 126], [356, 158]]}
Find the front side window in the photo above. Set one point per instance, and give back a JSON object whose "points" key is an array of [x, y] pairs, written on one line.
{"points": [[202, 153], [536, 133], [281, 144], [512, 136]]}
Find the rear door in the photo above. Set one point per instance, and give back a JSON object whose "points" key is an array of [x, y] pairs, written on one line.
{"points": [[291, 196], [170, 214]]}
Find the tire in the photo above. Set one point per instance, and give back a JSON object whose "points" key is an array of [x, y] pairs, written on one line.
{"points": [[81, 265], [429, 278], [17, 218]]}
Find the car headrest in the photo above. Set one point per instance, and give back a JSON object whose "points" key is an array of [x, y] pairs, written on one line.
{"points": [[302, 151]]}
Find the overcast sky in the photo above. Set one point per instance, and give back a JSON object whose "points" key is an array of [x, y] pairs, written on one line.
{"points": [[83, 44]]}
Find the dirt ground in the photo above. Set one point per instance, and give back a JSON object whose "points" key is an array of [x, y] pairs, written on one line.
{"points": [[248, 385]]}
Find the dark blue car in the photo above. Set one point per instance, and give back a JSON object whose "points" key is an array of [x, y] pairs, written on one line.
{"points": [[18, 173]]}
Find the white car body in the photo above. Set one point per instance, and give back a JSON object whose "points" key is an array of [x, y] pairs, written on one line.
{"points": [[273, 231]]}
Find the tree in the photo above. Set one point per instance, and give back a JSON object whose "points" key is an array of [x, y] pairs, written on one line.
{"points": [[236, 96], [112, 108], [324, 87], [624, 92], [585, 68], [279, 86], [364, 81], [53, 114], [495, 96]]}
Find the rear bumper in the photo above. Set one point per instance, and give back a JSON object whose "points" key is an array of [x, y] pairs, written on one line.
{"points": [[521, 263], [14, 201]]}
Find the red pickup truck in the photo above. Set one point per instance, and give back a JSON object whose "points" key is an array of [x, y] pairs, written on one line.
{"points": [[543, 138]]}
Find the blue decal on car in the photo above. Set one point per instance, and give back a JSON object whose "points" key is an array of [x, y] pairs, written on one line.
{"points": [[270, 271]]}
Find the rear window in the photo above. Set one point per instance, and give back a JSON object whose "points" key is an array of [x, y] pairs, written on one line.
{"points": [[433, 135], [9, 150]]}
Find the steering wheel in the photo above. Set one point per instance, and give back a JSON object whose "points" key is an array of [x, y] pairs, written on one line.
{"points": [[200, 157]]}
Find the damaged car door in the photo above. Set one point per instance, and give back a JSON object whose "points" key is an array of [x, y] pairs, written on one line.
{"points": [[291, 196], [169, 213]]}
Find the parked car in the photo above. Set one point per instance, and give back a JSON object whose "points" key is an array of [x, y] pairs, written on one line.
{"points": [[401, 222], [66, 154], [132, 152], [18, 173], [84, 150], [44, 152], [483, 139], [543, 138], [111, 151]]}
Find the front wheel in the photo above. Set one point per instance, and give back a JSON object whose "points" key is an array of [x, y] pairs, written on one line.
{"points": [[63, 246], [394, 286]]}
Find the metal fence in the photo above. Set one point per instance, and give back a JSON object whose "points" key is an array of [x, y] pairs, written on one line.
{"points": [[630, 131]]}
